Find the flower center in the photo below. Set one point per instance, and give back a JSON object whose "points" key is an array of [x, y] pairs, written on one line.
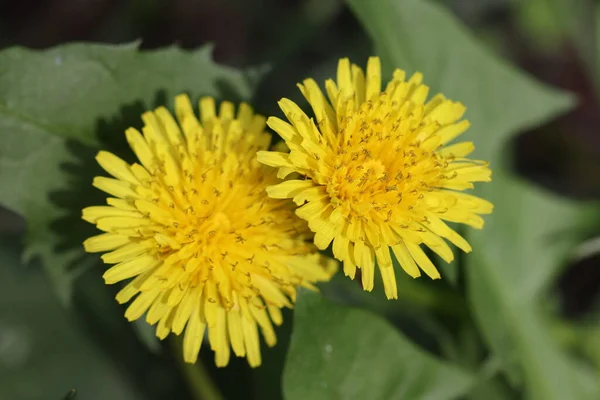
{"points": [[384, 160], [219, 226]]}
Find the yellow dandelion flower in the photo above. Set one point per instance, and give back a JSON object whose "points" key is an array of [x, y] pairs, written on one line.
{"points": [[193, 225], [377, 173]]}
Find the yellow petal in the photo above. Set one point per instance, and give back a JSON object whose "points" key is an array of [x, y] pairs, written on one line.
{"points": [[473, 203], [117, 188], [344, 77], [270, 291], [274, 159], [121, 204], [457, 150], [437, 226], [389, 282], [450, 132], [288, 189], [188, 121], [422, 260], [194, 333], [164, 325], [128, 251], [140, 305], [132, 288], [115, 166], [312, 209], [265, 325], [419, 95], [207, 109], [275, 314], [111, 224], [218, 338], [251, 341], [210, 303], [373, 78], [358, 81], [140, 147], [406, 260], [383, 256], [129, 269], [364, 255], [176, 294], [158, 309], [349, 268], [184, 310], [105, 242], [236, 334], [340, 247], [285, 130], [172, 130]]}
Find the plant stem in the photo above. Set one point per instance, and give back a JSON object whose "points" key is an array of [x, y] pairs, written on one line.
{"points": [[199, 381]]}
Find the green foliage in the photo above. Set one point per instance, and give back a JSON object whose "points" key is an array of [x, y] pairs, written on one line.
{"points": [[71, 395], [520, 252], [339, 352], [51, 363]]}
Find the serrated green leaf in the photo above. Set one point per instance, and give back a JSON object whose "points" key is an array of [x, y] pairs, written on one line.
{"points": [[343, 353], [513, 259], [57, 107]]}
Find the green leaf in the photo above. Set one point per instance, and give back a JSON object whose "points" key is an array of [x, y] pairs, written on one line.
{"points": [[343, 353], [514, 257], [146, 333], [59, 106], [43, 353], [71, 395], [523, 246]]}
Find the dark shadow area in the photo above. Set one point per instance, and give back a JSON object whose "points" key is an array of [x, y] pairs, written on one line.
{"points": [[565, 163], [70, 229], [559, 160], [11, 222], [101, 317], [580, 287], [343, 38]]}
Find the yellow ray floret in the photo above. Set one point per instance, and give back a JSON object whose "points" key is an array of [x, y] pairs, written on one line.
{"points": [[207, 249], [377, 174]]}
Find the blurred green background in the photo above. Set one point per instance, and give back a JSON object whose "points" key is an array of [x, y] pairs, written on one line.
{"points": [[517, 318]]}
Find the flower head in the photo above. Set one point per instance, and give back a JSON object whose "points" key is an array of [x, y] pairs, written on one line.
{"points": [[377, 173], [193, 225]]}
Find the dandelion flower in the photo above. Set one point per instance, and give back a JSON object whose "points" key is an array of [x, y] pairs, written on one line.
{"points": [[193, 225], [376, 172]]}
